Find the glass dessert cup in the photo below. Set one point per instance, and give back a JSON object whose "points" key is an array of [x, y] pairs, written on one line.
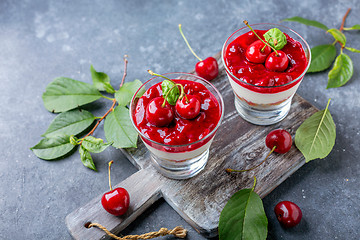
{"points": [[178, 161], [264, 105]]}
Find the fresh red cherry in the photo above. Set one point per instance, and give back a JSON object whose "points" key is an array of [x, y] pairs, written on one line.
{"points": [[288, 213], [277, 62], [207, 68], [158, 114], [256, 52], [188, 107], [116, 201], [280, 139]]}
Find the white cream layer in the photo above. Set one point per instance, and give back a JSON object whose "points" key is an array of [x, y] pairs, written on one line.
{"points": [[179, 156], [262, 98]]}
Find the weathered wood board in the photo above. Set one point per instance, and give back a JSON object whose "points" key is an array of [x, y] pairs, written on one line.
{"points": [[199, 200]]}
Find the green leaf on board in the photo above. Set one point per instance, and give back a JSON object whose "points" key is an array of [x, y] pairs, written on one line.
{"points": [[306, 22], [126, 92], [355, 27], [321, 57], [101, 81], [72, 122], [119, 129], [64, 94], [315, 137], [170, 91], [339, 36], [86, 158], [53, 148], [243, 217], [341, 72], [94, 145], [353, 49], [275, 38]]}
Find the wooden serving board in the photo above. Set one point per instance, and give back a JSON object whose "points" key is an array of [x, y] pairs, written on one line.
{"points": [[199, 200]]}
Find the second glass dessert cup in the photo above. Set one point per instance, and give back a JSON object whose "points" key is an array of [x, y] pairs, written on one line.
{"points": [[264, 105], [178, 161]]}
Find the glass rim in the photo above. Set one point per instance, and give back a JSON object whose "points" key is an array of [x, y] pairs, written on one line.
{"points": [[221, 103], [266, 87]]}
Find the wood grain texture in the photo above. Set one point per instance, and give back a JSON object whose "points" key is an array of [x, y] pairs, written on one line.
{"points": [[199, 200]]}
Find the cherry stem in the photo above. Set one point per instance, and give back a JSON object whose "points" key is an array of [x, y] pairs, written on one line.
{"points": [[187, 43], [229, 170], [111, 162], [247, 24], [254, 184], [158, 75], [99, 121], [125, 70], [182, 93]]}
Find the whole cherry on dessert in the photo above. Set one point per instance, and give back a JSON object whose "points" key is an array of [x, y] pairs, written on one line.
{"points": [[116, 201], [207, 68], [279, 139], [188, 107], [257, 52], [288, 213], [277, 61], [159, 112]]}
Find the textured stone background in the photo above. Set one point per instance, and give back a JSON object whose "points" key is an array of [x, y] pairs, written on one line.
{"points": [[41, 40]]}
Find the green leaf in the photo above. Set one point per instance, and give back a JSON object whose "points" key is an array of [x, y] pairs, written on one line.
{"points": [[86, 158], [101, 81], [119, 129], [355, 27], [321, 57], [170, 91], [94, 145], [243, 217], [339, 36], [53, 148], [126, 92], [353, 49], [315, 138], [72, 122], [342, 71], [74, 140], [64, 94], [275, 38], [306, 22]]}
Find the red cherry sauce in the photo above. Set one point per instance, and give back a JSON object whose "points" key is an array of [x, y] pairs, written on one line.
{"points": [[180, 131], [255, 74]]}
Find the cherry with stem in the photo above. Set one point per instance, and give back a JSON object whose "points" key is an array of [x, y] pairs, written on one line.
{"points": [[116, 201], [278, 140], [207, 68]]}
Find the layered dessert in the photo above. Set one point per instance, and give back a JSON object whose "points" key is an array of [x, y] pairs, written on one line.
{"points": [[264, 77], [181, 129]]}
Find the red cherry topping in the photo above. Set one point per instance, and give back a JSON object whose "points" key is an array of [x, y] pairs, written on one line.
{"points": [[115, 202], [277, 63], [207, 68], [157, 114], [256, 52], [188, 107], [279, 138], [288, 213]]}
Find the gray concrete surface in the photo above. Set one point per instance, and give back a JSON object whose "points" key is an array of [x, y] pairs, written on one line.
{"points": [[41, 40]]}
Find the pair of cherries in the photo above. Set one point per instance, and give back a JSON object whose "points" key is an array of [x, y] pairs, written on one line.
{"points": [[160, 113], [258, 52]]}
